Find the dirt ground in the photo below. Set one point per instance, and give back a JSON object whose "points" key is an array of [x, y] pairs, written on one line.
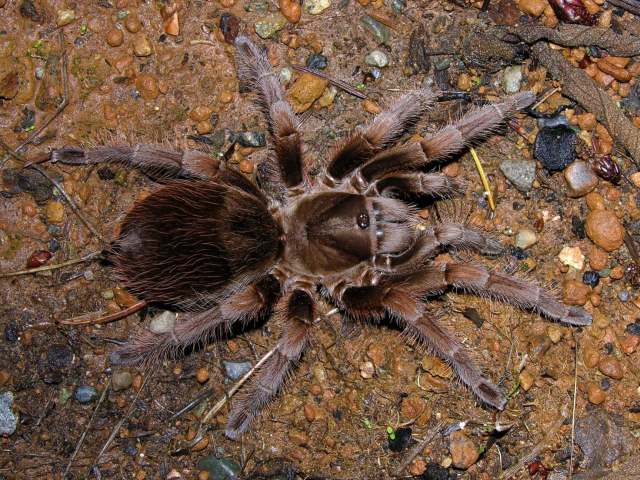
{"points": [[343, 413]]}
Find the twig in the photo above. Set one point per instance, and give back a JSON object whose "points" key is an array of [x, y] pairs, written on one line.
{"points": [[220, 403], [117, 427], [534, 452], [544, 98], [107, 318], [202, 42], [573, 410], [483, 177], [418, 448], [45, 268], [59, 109], [84, 434], [338, 83]]}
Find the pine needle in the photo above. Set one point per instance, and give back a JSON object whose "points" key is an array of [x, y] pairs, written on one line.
{"points": [[483, 177]]}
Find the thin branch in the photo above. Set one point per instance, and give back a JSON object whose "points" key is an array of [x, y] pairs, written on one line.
{"points": [[107, 318], [338, 83], [45, 268], [84, 434]]}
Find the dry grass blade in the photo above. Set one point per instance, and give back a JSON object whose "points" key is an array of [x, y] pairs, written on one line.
{"points": [[483, 178], [45, 268], [338, 83], [81, 320], [573, 409]]}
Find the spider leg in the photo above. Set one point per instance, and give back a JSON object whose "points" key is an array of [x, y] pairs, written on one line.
{"points": [[398, 297], [299, 309], [473, 126], [256, 72], [507, 288], [250, 303], [155, 162], [434, 184], [385, 129]]}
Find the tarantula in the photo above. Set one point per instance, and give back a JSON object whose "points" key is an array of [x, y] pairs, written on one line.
{"points": [[223, 250]]}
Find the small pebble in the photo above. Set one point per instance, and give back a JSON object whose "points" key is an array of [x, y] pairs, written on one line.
{"points": [[377, 29], [298, 437], [591, 278], [147, 86], [317, 61], [305, 90], [554, 332], [525, 238], [511, 79], [572, 257], [590, 356], [376, 58], [595, 394], [132, 23], [85, 394], [202, 375], [315, 7], [142, 46], [219, 468], [580, 179], [401, 439], [54, 212], [115, 37], [532, 7], [526, 380], [38, 258], [250, 139], [65, 17], [235, 370], [418, 467], [8, 419], [163, 323], [121, 380], [611, 367], [464, 82], [521, 173], [575, 293], [623, 296], [270, 25], [367, 370], [464, 452], [371, 106], [604, 229]]}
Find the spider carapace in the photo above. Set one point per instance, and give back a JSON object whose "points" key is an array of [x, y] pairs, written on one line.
{"points": [[222, 249]]}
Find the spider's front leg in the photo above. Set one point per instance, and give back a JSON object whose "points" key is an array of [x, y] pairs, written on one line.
{"points": [[298, 309], [400, 297], [156, 162]]}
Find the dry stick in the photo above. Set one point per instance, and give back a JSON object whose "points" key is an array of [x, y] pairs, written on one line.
{"points": [[107, 318], [220, 403], [338, 83], [45, 268], [61, 107], [418, 448], [573, 410], [117, 427], [523, 461], [84, 434]]}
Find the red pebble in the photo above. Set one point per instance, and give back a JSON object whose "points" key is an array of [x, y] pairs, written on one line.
{"points": [[38, 258], [572, 11]]}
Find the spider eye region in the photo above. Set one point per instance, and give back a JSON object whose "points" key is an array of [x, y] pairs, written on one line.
{"points": [[363, 220]]}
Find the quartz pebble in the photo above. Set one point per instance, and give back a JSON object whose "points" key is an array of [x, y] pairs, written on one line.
{"points": [[377, 29], [202, 375], [8, 419], [572, 257], [163, 323], [511, 79], [65, 17], [463, 451], [367, 370], [147, 86], [525, 238], [580, 179], [376, 58], [604, 229], [526, 380]]}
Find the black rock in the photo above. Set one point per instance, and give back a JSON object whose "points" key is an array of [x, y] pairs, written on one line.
{"points": [[402, 438], [555, 147], [11, 332], [317, 61], [435, 472], [633, 328], [577, 227], [59, 356], [591, 278]]}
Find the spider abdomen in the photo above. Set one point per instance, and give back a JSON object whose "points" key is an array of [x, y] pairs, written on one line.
{"points": [[188, 244]]}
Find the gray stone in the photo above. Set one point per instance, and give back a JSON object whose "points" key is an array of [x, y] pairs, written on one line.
{"points": [[376, 58], [525, 238], [511, 79], [235, 370], [163, 323], [121, 380], [580, 179], [268, 26], [379, 30], [85, 394], [521, 173], [8, 419]]}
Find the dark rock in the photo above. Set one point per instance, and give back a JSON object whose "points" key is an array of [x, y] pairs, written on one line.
{"points": [[11, 331], [230, 26], [85, 394], [317, 61], [250, 139], [32, 10], [59, 357], [577, 227], [418, 59], [603, 438], [435, 472], [400, 440], [633, 328], [591, 278], [555, 147]]}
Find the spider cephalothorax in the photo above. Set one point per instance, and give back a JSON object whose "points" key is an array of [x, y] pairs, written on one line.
{"points": [[222, 250]]}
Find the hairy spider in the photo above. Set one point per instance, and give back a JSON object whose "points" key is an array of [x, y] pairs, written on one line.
{"points": [[222, 250]]}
